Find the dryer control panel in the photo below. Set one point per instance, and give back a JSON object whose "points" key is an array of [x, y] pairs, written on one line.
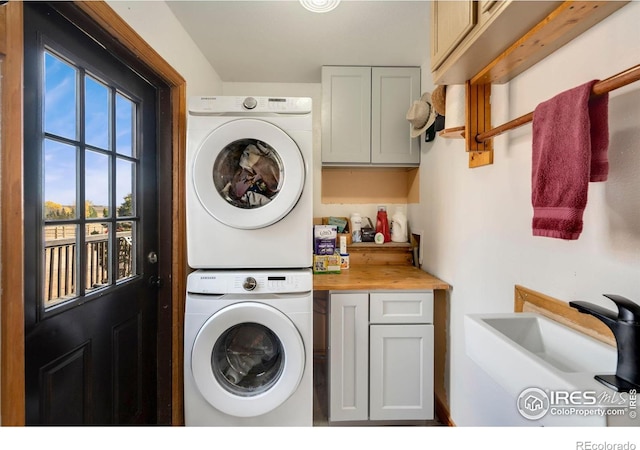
{"points": [[219, 104], [250, 281]]}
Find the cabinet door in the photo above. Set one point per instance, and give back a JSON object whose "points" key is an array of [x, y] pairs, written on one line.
{"points": [[401, 307], [346, 114], [393, 91], [348, 356], [451, 22], [401, 372]]}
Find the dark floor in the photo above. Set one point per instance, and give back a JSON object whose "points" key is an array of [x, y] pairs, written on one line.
{"points": [[321, 395], [320, 392]]}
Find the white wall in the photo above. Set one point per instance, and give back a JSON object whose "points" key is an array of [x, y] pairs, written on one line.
{"points": [[156, 24], [477, 222]]}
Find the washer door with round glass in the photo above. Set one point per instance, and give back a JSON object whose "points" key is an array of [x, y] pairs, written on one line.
{"points": [[247, 359], [248, 174]]}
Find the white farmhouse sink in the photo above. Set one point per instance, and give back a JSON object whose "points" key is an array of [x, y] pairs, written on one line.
{"points": [[523, 350]]}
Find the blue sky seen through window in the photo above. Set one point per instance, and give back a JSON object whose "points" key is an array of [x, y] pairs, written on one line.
{"points": [[61, 119]]}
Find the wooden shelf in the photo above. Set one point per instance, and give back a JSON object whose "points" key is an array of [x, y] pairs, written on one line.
{"points": [[569, 20], [387, 246], [566, 22], [453, 133], [390, 253]]}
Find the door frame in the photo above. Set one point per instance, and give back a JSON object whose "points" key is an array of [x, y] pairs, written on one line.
{"points": [[119, 38]]}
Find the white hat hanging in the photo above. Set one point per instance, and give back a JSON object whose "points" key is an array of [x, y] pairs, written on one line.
{"points": [[421, 115]]}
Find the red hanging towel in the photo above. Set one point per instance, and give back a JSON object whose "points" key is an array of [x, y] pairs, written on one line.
{"points": [[570, 142]]}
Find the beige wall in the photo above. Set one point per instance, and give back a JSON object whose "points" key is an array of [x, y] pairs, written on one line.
{"points": [[478, 221]]}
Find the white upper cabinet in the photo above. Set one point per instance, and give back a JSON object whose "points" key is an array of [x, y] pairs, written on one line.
{"points": [[346, 114], [364, 116], [393, 91]]}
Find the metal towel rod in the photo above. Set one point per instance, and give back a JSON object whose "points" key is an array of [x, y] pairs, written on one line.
{"points": [[601, 87]]}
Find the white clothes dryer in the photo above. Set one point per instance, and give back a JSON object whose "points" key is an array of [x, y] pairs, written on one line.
{"points": [[248, 348], [249, 182]]}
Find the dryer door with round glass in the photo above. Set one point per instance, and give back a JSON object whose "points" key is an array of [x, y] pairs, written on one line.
{"points": [[248, 174], [248, 359]]}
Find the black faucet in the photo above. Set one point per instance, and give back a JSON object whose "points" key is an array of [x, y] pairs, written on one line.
{"points": [[626, 330]]}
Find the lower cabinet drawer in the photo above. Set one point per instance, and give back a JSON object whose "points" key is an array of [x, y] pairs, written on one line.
{"points": [[401, 307]]}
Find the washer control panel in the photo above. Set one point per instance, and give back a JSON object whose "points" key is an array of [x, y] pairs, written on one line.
{"points": [[250, 281], [213, 104]]}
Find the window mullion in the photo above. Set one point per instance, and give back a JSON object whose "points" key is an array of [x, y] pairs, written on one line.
{"points": [[82, 227], [112, 187]]}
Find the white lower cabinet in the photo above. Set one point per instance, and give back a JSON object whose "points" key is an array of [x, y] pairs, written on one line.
{"points": [[381, 356], [401, 372], [349, 356]]}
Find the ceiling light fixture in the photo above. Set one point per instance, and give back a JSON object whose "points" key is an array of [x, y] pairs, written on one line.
{"points": [[320, 6]]}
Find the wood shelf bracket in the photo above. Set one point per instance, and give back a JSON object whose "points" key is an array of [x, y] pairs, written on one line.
{"points": [[478, 120]]}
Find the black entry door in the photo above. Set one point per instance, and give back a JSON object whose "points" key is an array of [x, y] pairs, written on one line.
{"points": [[90, 230]]}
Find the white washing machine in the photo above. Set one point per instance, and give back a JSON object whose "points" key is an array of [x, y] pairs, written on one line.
{"points": [[249, 182], [248, 348]]}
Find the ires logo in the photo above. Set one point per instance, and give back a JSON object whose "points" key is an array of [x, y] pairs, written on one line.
{"points": [[535, 403]]}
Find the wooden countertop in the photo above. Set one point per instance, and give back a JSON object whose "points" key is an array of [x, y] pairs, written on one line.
{"points": [[375, 277]]}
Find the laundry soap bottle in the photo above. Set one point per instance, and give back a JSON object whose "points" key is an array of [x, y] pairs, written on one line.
{"points": [[382, 224], [356, 227], [398, 227]]}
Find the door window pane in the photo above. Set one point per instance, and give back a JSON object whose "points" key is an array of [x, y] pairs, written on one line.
{"points": [[125, 176], [96, 176], [97, 248], [60, 94], [89, 184], [126, 247], [59, 181], [125, 130], [60, 263], [96, 104]]}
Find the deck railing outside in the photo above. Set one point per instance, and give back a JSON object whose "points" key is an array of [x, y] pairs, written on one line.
{"points": [[60, 264]]}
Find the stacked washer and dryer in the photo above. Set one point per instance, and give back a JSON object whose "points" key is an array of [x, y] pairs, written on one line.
{"points": [[248, 353]]}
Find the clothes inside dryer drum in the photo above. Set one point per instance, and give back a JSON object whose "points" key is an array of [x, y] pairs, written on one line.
{"points": [[269, 342], [247, 359], [248, 173]]}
